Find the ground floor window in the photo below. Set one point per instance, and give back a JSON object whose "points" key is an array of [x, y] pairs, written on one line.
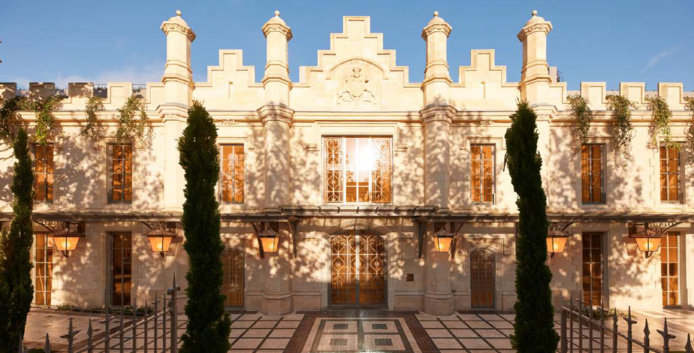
{"points": [[43, 267], [669, 269], [592, 268], [121, 269]]}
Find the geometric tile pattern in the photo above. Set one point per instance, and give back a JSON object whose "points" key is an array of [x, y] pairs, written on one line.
{"points": [[252, 332], [469, 332]]}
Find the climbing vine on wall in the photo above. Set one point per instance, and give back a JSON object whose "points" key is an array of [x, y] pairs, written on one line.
{"points": [[133, 121], [582, 116], [689, 135], [622, 130], [9, 116], [660, 123], [93, 128], [44, 108]]}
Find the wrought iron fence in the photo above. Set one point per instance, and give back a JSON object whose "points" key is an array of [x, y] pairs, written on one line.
{"points": [[121, 336], [597, 321]]}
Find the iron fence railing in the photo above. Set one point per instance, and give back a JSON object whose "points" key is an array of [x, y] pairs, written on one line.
{"points": [[608, 337], [155, 331]]}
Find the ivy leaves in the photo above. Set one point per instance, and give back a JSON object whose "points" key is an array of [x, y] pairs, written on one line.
{"points": [[93, 128], [660, 125], [43, 108], [582, 116], [132, 121], [689, 133], [622, 130]]}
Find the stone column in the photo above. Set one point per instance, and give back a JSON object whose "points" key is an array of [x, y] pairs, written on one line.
{"points": [[277, 119], [534, 85], [276, 114], [178, 85], [436, 118]]}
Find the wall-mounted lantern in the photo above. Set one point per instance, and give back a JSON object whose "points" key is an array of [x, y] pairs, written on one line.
{"points": [[442, 240], [160, 236], [647, 236], [66, 235], [557, 237], [269, 240]]}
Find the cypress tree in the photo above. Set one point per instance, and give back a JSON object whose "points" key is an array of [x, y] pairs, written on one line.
{"points": [[208, 324], [16, 290], [534, 326]]}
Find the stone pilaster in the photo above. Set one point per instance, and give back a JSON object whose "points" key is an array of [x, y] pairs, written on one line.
{"points": [[438, 293], [277, 293], [178, 85], [535, 77]]}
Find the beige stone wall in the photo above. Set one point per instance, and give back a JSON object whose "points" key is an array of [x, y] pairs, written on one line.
{"points": [[357, 89]]}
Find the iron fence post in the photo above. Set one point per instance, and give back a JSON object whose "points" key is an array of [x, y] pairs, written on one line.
{"points": [[630, 322], [174, 316], [156, 313], [90, 342], [646, 338], [688, 347], [580, 325], [120, 345], [47, 345], [70, 337], [163, 325], [134, 324], [602, 327], [563, 332], [615, 337], [107, 343], [571, 323], [590, 324], [146, 319], [666, 337]]}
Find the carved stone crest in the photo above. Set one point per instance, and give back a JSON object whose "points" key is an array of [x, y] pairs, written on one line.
{"points": [[355, 89]]}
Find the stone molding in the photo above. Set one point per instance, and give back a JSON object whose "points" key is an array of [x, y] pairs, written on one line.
{"points": [[276, 112], [167, 27], [544, 27], [277, 27], [432, 113]]}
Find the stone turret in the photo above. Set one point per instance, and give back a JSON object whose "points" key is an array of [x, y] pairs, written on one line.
{"points": [[535, 76], [436, 118], [178, 87]]}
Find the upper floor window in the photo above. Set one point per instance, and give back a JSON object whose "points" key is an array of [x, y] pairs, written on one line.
{"points": [[592, 176], [121, 173], [670, 174], [232, 173], [482, 173], [43, 173], [357, 169]]}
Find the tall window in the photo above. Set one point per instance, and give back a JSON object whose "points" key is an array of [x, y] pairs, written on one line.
{"points": [[482, 173], [592, 176], [357, 169], [669, 269], [121, 269], [670, 174], [43, 264], [43, 173], [232, 173], [592, 268], [121, 174]]}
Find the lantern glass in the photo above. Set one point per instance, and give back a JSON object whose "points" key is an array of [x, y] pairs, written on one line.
{"points": [[556, 244], [443, 243], [269, 243], [66, 243], [648, 244], [160, 244]]}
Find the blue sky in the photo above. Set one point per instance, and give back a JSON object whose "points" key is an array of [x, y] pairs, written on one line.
{"points": [[100, 41]]}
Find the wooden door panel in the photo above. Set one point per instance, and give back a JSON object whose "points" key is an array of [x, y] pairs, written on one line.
{"points": [[233, 283]]}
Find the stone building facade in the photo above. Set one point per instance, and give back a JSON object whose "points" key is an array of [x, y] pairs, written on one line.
{"points": [[357, 169]]}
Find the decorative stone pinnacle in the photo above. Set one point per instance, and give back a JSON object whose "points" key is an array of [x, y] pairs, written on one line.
{"points": [[277, 13], [534, 13], [178, 13], [436, 14]]}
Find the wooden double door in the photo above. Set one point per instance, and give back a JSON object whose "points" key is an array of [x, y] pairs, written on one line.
{"points": [[358, 266], [482, 279]]}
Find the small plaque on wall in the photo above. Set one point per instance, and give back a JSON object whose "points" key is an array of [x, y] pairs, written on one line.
{"points": [[409, 277]]}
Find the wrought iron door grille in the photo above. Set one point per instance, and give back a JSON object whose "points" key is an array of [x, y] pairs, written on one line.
{"points": [[358, 269]]}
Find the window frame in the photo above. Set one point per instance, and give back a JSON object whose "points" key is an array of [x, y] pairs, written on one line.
{"points": [[223, 174], [47, 270], [111, 174], [493, 200], [343, 170], [678, 173], [664, 247], [603, 167], [46, 188], [604, 283]]}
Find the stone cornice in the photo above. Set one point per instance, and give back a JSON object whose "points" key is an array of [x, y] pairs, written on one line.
{"points": [[173, 112], [275, 112], [445, 28], [544, 27], [432, 113], [277, 27], [167, 27]]}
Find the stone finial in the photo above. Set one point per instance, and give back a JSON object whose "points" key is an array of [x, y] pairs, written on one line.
{"points": [[437, 24], [436, 14], [277, 24], [534, 13], [277, 13], [178, 13]]}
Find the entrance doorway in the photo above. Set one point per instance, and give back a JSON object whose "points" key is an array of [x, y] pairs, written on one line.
{"points": [[233, 281], [121, 269], [358, 266], [482, 279]]}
